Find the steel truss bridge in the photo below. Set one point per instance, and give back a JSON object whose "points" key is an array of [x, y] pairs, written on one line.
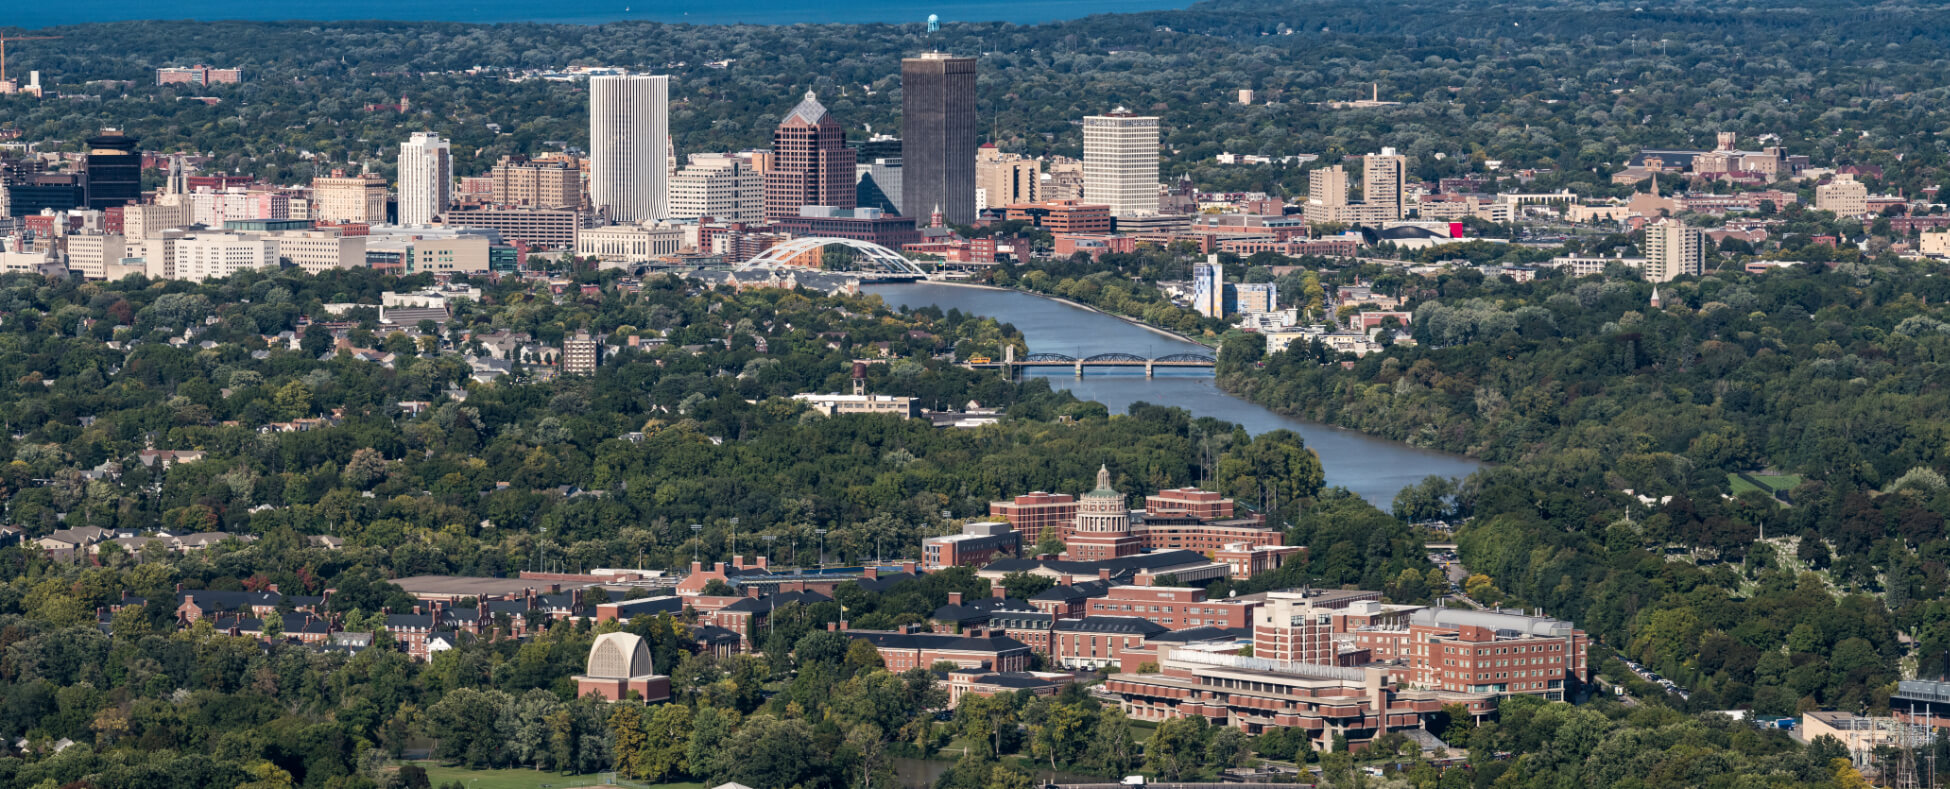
{"points": [[1013, 366]]}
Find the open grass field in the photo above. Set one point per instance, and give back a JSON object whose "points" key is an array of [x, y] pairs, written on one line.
{"points": [[527, 779]]}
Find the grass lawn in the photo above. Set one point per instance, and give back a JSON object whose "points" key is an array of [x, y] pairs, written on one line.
{"points": [[525, 779]]}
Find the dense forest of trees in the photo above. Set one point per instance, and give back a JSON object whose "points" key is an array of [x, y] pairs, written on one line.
{"points": [[1616, 426]]}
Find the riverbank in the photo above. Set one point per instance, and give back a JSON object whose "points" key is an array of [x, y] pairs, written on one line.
{"points": [[1373, 468], [1155, 329]]}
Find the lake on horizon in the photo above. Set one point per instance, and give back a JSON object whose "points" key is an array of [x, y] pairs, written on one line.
{"points": [[770, 12]]}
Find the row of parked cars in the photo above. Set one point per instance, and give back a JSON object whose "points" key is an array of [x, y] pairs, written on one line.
{"points": [[1653, 677]]}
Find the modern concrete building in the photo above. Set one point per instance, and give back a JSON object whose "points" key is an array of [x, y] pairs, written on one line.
{"points": [[1209, 288], [1005, 179], [1383, 182], [319, 250], [215, 255], [426, 179], [581, 354], [938, 137], [811, 163], [349, 199], [198, 75], [1120, 162], [977, 544], [629, 146], [720, 186], [90, 256], [540, 228], [1672, 250]]}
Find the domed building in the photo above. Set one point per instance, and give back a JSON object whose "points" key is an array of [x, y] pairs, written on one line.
{"points": [[620, 663], [1103, 528]]}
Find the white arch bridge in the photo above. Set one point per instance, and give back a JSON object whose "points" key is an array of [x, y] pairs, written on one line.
{"points": [[876, 258]]}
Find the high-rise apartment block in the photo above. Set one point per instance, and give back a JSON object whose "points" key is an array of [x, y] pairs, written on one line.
{"points": [[581, 354], [938, 137], [1120, 162], [629, 146], [426, 179], [519, 182], [720, 186], [1673, 250], [349, 199], [1005, 179], [1383, 183], [811, 164], [1843, 197]]}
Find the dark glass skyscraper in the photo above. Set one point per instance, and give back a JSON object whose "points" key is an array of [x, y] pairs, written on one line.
{"points": [[938, 137], [114, 170]]}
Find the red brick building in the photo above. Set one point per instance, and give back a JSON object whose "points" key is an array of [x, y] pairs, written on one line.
{"points": [[1063, 216], [619, 664], [1036, 515], [1204, 505], [1097, 641], [909, 648], [1255, 694], [1174, 607]]}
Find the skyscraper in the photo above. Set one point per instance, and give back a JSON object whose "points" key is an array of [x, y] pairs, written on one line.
{"points": [[811, 164], [629, 142], [1382, 181], [426, 178], [1120, 162], [1672, 250], [938, 137], [114, 170]]}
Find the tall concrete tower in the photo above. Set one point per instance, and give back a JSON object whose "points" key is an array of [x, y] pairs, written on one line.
{"points": [[629, 146], [1120, 162], [426, 178]]}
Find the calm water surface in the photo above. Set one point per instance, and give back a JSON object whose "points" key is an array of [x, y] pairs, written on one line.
{"points": [[764, 12], [1374, 468]]}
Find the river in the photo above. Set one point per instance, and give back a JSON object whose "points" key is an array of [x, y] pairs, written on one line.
{"points": [[1374, 468]]}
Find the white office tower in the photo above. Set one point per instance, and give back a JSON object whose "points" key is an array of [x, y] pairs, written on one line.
{"points": [[629, 147], [1120, 162], [426, 179]]}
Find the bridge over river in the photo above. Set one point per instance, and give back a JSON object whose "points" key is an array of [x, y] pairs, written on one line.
{"points": [[1013, 367]]}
